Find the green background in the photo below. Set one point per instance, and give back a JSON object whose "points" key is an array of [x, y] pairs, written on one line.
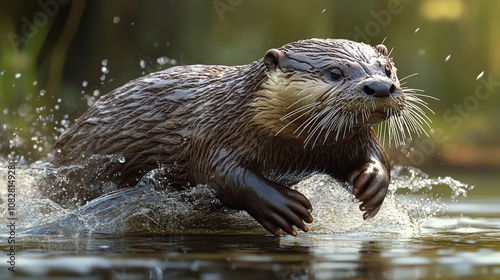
{"points": [[52, 55]]}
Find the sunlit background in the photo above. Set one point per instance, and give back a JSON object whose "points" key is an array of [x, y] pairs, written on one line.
{"points": [[57, 57]]}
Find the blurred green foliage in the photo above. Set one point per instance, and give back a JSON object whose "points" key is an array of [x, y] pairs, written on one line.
{"points": [[83, 49]]}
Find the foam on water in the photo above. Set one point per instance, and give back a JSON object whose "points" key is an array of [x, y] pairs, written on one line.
{"points": [[145, 210]]}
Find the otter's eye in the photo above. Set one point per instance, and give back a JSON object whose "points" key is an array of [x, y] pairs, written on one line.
{"points": [[336, 74], [388, 71]]}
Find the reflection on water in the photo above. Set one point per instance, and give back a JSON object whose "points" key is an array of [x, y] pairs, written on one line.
{"points": [[308, 256], [141, 233]]}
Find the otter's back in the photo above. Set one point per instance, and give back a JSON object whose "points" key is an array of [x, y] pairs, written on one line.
{"points": [[148, 121]]}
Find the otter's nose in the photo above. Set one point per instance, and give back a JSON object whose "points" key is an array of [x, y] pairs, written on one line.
{"points": [[379, 88]]}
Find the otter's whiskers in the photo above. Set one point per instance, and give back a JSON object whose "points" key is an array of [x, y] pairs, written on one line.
{"points": [[410, 120], [320, 121]]}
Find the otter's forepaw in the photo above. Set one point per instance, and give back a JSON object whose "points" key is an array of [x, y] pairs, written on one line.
{"points": [[281, 208], [370, 183]]}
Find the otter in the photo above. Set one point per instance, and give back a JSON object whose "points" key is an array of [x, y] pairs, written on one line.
{"points": [[251, 131]]}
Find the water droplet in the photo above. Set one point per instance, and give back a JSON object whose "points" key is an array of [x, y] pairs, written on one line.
{"points": [[447, 58], [59, 100], [42, 92], [142, 63], [121, 159], [35, 83], [173, 61], [104, 70], [90, 100], [162, 60], [2, 73], [96, 93], [116, 19], [103, 78], [133, 23], [17, 75], [85, 84], [416, 30], [104, 62], [65, 123], [480, 76], [324, 10]]}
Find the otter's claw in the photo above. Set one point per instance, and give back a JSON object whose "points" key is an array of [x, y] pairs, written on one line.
{"points": [[370, 183], [281, 208]]}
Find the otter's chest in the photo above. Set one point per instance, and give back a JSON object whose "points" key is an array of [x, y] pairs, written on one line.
{"points": [[289, 178], [287, 163]]}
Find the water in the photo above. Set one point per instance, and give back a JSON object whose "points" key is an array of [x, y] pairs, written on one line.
{"points": [[145, 234]]}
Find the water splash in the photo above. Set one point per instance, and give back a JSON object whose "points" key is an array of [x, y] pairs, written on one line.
{"points": [[336, 209], [146, 210], [414, 180]]}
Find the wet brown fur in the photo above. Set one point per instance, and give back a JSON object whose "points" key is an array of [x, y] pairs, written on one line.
{"points": [[223, 126]]}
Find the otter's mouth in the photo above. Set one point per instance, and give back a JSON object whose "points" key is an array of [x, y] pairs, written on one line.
{"points": [[381, 115], [372, 118]]}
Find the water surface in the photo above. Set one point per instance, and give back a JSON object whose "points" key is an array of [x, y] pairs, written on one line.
{"points": [[145, 234]]}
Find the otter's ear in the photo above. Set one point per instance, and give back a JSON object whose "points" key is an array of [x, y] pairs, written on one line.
{"points": [[272, 59], [382, 49]]}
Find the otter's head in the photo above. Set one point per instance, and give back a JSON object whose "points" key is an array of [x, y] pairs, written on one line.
{"points": [[321, 91]]}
